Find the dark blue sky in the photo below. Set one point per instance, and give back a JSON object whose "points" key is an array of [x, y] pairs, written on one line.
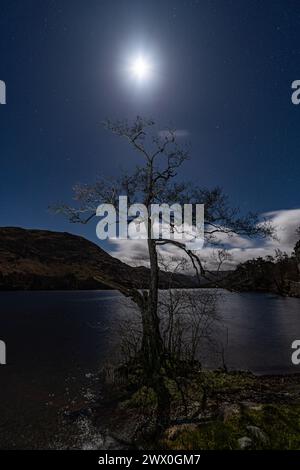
{"points": [[224, 71]]}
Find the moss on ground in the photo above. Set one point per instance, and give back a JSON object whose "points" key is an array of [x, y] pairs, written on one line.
{"points": [[214, 410], [279, 424], [141, 399]]}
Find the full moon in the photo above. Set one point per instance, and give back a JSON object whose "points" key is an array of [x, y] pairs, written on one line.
{"points": [[141, 68]]}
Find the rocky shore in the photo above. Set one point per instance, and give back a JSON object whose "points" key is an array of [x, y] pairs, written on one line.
{"points": [[235, 410]]}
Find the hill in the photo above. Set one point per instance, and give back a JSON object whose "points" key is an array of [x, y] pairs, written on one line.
{"points": [[46, 260]]}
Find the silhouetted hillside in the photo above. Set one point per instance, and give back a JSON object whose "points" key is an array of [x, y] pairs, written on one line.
{"points": [[45, 260]]}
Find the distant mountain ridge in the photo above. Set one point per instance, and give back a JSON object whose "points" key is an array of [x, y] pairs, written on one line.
{"points": [[46, 260]]}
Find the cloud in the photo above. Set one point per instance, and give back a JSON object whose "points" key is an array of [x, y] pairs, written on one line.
{"points": [[285, 223], [240, 249]]}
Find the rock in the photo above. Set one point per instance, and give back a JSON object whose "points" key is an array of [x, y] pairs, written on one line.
{"points": [[252, 406], [77, 414], [173, 432], [110, 443], [245, 443], [230, 411], [258, 434]]}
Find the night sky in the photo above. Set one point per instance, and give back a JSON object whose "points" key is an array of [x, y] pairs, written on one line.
{"points": [[222, 74]]}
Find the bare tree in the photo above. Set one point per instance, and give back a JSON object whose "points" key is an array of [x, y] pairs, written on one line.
{"points": [[155, 181]]}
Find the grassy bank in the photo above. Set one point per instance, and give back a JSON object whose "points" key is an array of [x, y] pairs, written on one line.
{"points": [[210, 410]]}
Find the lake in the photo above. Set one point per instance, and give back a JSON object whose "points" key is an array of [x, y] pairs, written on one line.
{"points": [[57, 341]]}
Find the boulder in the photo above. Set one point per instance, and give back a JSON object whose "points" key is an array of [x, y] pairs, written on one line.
{"points": [[258, 434], [245, 443]]}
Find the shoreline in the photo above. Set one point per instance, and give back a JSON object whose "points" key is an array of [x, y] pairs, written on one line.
{"points": [[236, 403]]}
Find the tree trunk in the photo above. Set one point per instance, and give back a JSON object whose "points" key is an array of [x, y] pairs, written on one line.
{"points": [[152, 344]]}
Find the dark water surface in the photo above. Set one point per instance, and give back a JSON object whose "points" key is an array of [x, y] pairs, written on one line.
{"points": [[57, 341]]}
